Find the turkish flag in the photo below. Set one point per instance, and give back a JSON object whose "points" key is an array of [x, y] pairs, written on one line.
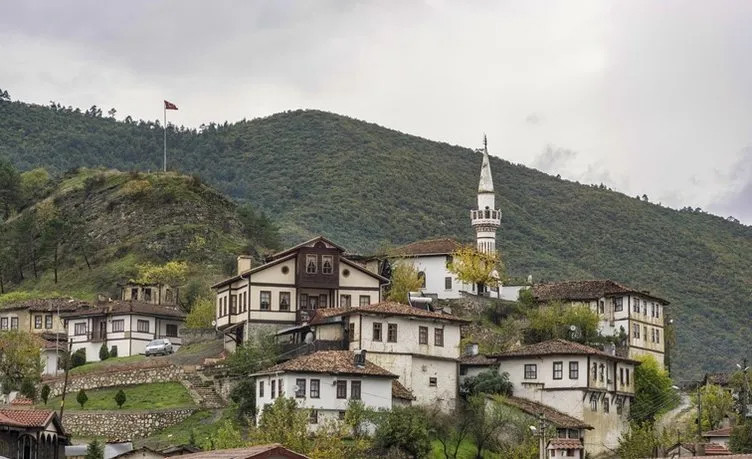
{"points": [[170, 106]]}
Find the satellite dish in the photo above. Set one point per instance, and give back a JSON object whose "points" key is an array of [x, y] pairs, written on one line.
{"points": [[572, 328], [214, 323], [309, 338]]}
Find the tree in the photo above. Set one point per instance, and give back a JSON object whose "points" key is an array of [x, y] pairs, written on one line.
{"points": [[405, 279], [555, 321], [10, 187], [201, 315], [95, 450], [741, 438], [405, 429], [82, 398], [449, 429], [285, 423], [356, 417], [254, 355], [244, 397], [172, 273], [19, 358], [104, 353], [475, 267], [258, 229], [28, 389], [487, 420], [226, 437], [489, 382], [120, 398], [717, 405], [54, 231], [78, 358], [4, 96], [642, 440], [654, 394], [45, 393]]}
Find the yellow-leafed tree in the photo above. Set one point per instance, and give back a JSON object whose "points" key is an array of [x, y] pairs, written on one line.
{"points": [[472, 266], [405, 279]]}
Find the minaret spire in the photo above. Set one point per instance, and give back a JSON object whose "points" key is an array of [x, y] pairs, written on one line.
{"points": [[487, 218]]}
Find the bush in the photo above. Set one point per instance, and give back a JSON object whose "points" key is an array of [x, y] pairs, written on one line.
{"points": [[28, 389], [45, 394], [95, 450], [113, 352], [120, 398], [104, 354], [82, 398], [78, 358], [405, 429], [244, 396]]}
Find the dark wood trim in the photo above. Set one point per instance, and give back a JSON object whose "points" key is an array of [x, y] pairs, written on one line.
{"points": [[646, 349], [283, 322], [270, 284], [369, 289], [646, 323]]}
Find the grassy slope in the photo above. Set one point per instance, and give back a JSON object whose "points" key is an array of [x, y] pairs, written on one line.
{"points": [[153, 396], [366, 186]]}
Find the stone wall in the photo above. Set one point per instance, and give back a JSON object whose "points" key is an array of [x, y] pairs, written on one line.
{"points": [[121, 425], [198, 335], [114, 378]]}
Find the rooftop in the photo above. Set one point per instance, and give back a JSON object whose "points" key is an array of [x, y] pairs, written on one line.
{"points": [[23, 417], [586, 290], [329, 362], [565, 443], [725, 432], [48, 304], [250, 452], [478, 360], [558, 347], [440, 246], [126, 307], [556, 417], [401, 392]]}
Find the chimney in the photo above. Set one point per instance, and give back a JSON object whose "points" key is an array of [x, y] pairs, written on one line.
{"points": [[471, 349], [244, 263]]}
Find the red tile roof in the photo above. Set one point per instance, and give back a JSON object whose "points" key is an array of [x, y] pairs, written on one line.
{"points": [[556, 417], [387, 308], [330, 362], [21, 400], [558, 347], [401, 392], [725, 432], [127, 307], [440, 246], [585, 290], [251, 452], [477, 360], [48, 304], [565, 443], [28, 418]]}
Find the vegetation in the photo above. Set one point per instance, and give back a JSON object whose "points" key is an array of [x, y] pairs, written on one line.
{"points": [[82, 398], [95, 450], [642, 440], [405, 279], [120, 398], [202, 314], [474, 267], [78, 358], [556, 321], [717, 406], [654, 392], [152, 396], [489, 382], [19, 359], [741, 438], [45, 393], [304, 169], [104, 353], [404, 429]]}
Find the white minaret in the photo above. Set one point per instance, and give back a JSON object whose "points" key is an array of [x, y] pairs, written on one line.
{"points": [[487, 218]]}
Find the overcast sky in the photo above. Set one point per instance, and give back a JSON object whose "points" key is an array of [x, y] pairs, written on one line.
{"points": [[649, 97]]}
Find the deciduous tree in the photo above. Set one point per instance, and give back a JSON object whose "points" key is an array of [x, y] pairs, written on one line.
{"points": [[653, 391], [475, 267], [405, 279], [19, 358]]}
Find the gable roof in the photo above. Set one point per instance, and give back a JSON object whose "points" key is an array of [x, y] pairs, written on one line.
{"points": [[438, 246], [250, 452], [725, 432], [558, 347], [586, 290], [258, 268], [401, 392], [54, 304], [478, 360], [387, 308], [304, 244], [30, 418], [329, 362], [127, 307], [552, 415]]}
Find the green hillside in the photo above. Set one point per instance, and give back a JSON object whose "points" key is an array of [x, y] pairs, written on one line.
{"points": [[368, 187]]}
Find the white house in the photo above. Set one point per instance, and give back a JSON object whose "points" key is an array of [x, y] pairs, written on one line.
{"points": [[588, 384], [289, 287], [324, 382], [472, 363], [125, 325], [635, 313]]}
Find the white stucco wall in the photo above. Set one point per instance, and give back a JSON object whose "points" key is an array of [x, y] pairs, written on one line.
{"points": [[435, 270], [408, 330]]}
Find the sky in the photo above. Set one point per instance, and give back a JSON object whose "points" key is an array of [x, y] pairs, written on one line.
{"points": [[646, 97]]}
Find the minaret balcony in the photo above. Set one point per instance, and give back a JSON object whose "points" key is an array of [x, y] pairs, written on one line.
{"points": [[487, 217]]}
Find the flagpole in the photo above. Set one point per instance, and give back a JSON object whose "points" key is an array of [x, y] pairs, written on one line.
{"points": [[165, 137]]}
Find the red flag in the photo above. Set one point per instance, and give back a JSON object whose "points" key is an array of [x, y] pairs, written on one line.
{"points": [[170, 106]]}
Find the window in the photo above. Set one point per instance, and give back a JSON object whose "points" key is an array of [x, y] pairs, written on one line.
{"points": [[323, 300], [341, 415], [142, 326], [422, 277], [447, 283], [345, 301], [658, 335], [636, 331], [233, 304], [438, 337], [595, 372], [432, 382], [274, 388], [48, 321], [621, 376], [4, 323], [266, 300], [644, 309], [377, 331], [618, 304], [645, 330], [558, 370], [313, 302], [284, 301], [314, 418], [351, 331], [280, 388], [635, 305], [134, 294], [303, 301], [14, 323], [652, 335], [261, 389], [341, 389], [531, 371], [593, 402], [147, 295], [657, 311], [78, 329], [422, 335], [603, 372], [327, 264], [364, 300], [574, 370], [391, 333], [606, 407], [601, 307], [300, 386], [118, 325], [355, 390], [310, 264], [37, 321], [315, 383], [619, 405], [626, 372], [652, 309], [561, 433], [171, 330]]}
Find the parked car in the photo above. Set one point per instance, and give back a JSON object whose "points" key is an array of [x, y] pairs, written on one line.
{"points": [[159, 347]]}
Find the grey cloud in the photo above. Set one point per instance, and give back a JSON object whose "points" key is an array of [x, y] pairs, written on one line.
{"points": [[736, 201], [554, 160], [534, 119]]}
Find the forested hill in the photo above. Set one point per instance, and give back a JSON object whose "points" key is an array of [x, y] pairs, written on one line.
{"points": [[367, 187]]}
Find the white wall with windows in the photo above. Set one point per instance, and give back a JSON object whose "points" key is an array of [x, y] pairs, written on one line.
{"points": [[406, 334], [438, 279]]}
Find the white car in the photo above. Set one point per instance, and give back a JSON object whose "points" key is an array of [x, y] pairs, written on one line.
{"points": [[158, 347]]}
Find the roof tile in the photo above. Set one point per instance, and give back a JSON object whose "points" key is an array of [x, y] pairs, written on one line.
{"points": [[127, 307], [585, 290], [441, 246], [331, 362], [558, 347], [556, 417]]}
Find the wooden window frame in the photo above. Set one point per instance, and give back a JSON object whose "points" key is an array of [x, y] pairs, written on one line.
{"points": [[341, 392], [301, 391], [268, 294], [284, 297], [139, 328], [559, 370], [438, 337], [378, 332], [422, 335], [120, 322], [574, 370], [391, 333], [314, 390], [355, 394], [530, 371]]}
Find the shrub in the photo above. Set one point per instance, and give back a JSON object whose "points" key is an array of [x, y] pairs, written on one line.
{"points": [[28, 389], [113, 352], [405, 429], [104, 354], [120, 398], [78, 358], [45, 393], [95, 450], [82, 398]]}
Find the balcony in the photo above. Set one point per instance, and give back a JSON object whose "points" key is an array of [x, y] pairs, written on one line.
{"points": [[292, 350]]}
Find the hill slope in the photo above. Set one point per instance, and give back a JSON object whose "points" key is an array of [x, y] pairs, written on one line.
{"points": [[367, 186]]}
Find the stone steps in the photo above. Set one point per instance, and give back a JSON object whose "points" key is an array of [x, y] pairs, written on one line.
{"points": [[203, 390]]}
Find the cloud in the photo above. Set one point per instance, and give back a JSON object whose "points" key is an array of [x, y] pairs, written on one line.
{"points": [[736, 200], [554, 160], [534, 119]]}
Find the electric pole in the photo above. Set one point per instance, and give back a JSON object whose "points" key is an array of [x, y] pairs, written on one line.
{"points": [[699, 412], [542, 435]]}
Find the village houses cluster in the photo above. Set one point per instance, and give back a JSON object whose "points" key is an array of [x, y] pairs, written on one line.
{"points": [[341, 340]]}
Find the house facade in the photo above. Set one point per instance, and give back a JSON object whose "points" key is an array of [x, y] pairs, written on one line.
{"points": [[125, 325], [590, 385], [635, 315], [324, 383], [31, 434], [149, 293], [289, 287]]}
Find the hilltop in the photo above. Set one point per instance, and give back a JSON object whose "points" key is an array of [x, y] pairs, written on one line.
{"points": [[370, 187]]}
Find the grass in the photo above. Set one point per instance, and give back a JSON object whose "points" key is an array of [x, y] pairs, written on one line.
{"points": [[466, 450], [139, 397], [109, 364], [203, 423]]}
